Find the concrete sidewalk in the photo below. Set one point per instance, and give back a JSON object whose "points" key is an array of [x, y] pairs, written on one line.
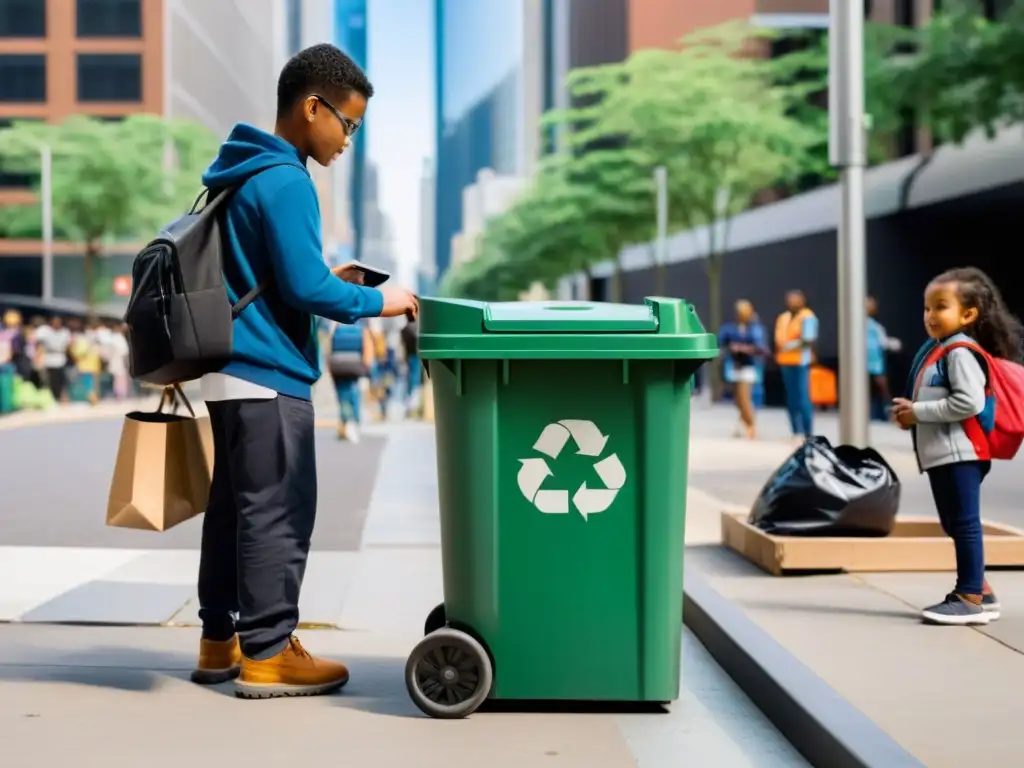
{"points": [[862, 635]]}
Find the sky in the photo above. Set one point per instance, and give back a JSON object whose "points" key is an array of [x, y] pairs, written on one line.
{"points": [[400, 122]]}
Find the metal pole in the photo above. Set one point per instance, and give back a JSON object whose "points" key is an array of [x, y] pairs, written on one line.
{"points": [[46, 201], [848, 152], [661, 239]]}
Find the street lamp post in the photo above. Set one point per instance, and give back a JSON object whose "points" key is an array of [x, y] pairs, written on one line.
{"points": [[847, 150], [661, 239], [46, 202]]}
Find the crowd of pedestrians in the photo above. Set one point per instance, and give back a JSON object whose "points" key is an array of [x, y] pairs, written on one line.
{"points": [[370, 366], [747, 349], [58, 360]]}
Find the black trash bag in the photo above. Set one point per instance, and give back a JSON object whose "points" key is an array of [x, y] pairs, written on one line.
{"points": [[826, 491]]}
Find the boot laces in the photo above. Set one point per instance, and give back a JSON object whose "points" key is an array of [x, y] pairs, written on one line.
{"points": [[297, 648]]}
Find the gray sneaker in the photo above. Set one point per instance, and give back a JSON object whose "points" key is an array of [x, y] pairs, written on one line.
{"points": [[990, 605], [954, 610]]}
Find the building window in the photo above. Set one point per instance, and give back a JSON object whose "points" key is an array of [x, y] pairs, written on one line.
{"points": [[294, 22], [22, 18], [13, 179], [905, 13], [109, 18], [109, 77], [23, 77]]}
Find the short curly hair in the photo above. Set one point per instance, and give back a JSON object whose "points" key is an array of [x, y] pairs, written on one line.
{"points": [[319, 68]]}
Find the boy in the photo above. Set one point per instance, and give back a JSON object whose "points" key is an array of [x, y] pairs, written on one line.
{"points": [[259, 521]]}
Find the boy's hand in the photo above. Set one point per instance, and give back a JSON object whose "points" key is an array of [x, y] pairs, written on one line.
{"points": [[400, 301], [349, 273], [903, 412]]}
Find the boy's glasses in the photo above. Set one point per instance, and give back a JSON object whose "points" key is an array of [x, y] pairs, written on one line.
{"points": [[350, 125]]}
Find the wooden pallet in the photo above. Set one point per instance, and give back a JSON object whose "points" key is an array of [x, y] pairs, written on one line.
{"points": [[916, 544]]}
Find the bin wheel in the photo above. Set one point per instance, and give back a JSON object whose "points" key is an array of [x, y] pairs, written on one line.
{"points": [[436, 619], [449, 674]]}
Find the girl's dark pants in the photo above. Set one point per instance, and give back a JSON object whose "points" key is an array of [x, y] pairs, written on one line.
{"points": [[957, 492]]}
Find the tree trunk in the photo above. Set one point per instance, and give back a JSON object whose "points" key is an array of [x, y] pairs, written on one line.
{"points": [[714, 272], [92, 252], [661, 280], [616, 292]]}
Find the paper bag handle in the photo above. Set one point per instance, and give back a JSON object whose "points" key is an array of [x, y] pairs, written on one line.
{"points": [[172, 396]]}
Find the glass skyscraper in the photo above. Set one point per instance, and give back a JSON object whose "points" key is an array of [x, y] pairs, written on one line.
{"points": [[350, 36], [479, 62]]}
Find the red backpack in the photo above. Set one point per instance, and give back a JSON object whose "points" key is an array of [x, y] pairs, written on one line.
{"points": [[1002, 421]]}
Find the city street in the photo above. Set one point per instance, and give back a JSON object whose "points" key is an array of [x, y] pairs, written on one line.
{"points": [[373, 575]]}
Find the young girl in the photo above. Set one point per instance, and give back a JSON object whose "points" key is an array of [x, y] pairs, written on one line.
{"points": [[945, 393]]}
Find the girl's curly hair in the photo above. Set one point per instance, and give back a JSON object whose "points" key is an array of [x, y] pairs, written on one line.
{"points": [[997, 329]]}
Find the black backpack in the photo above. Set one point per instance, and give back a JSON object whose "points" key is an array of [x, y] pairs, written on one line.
{"points": [[179, 314]]}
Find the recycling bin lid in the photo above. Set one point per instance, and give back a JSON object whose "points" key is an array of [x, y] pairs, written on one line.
{"points": [[660, 328], [569, 317]]}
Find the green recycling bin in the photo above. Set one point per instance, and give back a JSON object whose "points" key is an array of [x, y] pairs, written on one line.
{"points": [[562, 440]]}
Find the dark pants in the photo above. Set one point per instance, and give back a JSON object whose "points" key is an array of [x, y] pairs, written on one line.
{"points": [[796, 380], [57, 381], [957, 492], [259, 521], [881, 400]]}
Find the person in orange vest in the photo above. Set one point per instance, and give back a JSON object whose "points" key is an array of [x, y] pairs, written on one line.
{"points": [[796, 330]]}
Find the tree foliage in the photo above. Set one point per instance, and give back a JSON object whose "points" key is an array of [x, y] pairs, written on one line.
{"points": [[718, 118], [966, 71], [728, 123], [110, 180]]}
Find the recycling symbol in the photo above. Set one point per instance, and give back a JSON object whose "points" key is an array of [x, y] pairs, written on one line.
{"points": [[589, 442]]}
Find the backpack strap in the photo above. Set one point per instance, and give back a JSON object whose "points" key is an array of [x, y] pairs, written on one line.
{"points": [[212, 203], [916, 367], [937, 355]]}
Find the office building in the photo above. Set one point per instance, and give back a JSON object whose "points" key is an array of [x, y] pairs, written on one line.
{"points": [[490, 195], [481, 102], [301, 24], [211, 62], [426, 271], [350, 34], [378, 246]]}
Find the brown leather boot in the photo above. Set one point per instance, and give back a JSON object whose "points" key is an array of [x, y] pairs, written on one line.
{"points": [[292, 672], [219, 661]]}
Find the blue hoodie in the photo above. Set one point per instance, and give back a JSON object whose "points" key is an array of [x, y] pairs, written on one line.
{"points": [[272, 229]]}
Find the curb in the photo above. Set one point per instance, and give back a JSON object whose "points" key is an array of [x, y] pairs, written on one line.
{"points": [[824, 727]]}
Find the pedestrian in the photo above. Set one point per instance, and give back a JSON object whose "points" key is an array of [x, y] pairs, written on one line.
{"points": [[946, 395], [880, 344], [413, 368], [796, 331], [744, 342], [53, 341], [87, 356], [117, 360], [262, 507], [349, 362]]}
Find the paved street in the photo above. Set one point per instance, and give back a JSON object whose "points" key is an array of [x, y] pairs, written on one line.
{"points": [[57, 477]]}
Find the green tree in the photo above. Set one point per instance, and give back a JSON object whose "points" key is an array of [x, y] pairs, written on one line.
{"points": [[112, 180], [720, 122], [965, 71]]}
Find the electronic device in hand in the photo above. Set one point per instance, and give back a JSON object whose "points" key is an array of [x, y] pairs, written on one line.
{"points": [[372, 276]]}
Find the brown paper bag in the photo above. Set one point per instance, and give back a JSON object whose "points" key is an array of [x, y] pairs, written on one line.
{"points": [[163, 470], [206, 437]]}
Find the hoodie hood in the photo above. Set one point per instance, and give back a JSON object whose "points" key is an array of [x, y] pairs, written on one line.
{"points": [[249, 150]]}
